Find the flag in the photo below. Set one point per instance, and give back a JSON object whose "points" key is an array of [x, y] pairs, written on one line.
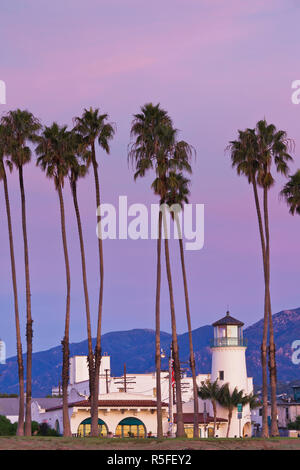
{"points": [[173, 376]]}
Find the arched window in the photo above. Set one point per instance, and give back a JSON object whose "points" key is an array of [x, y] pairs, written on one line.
{"points": [[84, 428], [131, 427]]}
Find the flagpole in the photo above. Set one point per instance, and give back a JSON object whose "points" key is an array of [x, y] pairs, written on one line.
{"points": [[171, 385]]}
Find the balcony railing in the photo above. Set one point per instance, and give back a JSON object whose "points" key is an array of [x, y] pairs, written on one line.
{"points": [[221, 342]]}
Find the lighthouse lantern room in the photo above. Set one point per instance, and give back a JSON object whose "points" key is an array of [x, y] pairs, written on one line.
{"points": [[228, 332]]}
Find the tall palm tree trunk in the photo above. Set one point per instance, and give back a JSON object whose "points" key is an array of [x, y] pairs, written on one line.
{"points": [[273, 375], [20, 428], [85, 289], [180, 426], [272, 359], [229, 422], [29, 321], [265, 427], [215, 416], [65, 341], [188, 317], [94, 427], [157, 332]]}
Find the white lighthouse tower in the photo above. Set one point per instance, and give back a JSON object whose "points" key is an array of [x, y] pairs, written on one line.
{"points": [[229, 366]]}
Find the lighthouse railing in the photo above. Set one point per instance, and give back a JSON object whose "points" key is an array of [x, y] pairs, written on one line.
{"points": [[221, 342]]}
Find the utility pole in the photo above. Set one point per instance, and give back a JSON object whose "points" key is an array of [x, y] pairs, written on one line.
{"points": [[171, 416], [106, 380], [124, 381]]}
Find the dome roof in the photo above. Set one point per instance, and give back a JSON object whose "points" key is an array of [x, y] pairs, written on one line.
{"points": [[228, 320]]}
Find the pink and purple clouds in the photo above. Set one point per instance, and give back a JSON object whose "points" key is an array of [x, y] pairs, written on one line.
{"points": [[216, 67]]}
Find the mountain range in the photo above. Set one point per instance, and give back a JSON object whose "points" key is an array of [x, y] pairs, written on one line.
{"points": [[136, 348]]}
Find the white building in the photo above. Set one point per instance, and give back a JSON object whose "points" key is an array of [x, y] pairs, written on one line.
{"points": [[135, 383], [9, 407], [127, 404]]}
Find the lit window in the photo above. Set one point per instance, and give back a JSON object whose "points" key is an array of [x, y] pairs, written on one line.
{"points": [[131, 427], [84, 428]]}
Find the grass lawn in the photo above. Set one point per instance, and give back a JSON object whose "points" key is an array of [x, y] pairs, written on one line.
{"points": [[61, 443]]}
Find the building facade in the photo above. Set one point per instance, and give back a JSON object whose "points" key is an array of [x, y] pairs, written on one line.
{"points": [[127, 404]]}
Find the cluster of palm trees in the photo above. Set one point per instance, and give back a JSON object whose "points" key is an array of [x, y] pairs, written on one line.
{"points": [[66, 155], [155, 146], [228, 399], [62, 155], [255, 154]]}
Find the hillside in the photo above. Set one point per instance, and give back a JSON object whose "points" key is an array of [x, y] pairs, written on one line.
{"points": [[136, 348]]}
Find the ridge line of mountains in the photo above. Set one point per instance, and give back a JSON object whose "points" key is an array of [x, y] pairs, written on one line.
{"points": [[136, 347]]}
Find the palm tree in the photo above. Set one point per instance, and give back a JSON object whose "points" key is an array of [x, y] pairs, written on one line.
{"points": [[22, 128], [253, 400], [211, 391], [93, 126], [147, 130], [291, 193], [54, 156], [230, 400], [273, 146], [177, 196], [244, 156], [20, 427], [252, 154], [156, 147], [78, 169]]}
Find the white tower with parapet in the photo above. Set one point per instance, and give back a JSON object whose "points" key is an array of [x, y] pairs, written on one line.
{"points": [[229, 366]]}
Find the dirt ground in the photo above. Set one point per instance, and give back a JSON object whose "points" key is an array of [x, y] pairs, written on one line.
{"points": [[61, 443]]}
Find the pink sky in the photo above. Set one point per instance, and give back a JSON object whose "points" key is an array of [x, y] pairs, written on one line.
{"points": [[216, 67]]}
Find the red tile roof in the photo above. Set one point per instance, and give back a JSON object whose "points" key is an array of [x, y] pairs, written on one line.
{"points": [[113, 403], [188, 418]]}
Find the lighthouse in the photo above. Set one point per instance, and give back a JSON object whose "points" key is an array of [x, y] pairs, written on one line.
{"points": [[228, 348]]}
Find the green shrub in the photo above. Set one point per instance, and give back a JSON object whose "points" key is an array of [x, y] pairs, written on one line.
{"points": [[45, 430], [295, 424], [6, 427], [35, 428], [10, 429]]}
